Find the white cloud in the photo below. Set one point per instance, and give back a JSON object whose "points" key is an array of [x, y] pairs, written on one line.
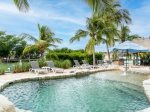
{"points": [[140, 18], [38, 14]]}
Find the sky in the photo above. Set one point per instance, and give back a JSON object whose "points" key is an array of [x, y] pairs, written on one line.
{"points": [[65, 17]]}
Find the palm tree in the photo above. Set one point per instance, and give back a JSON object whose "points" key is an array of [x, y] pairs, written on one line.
{"points": [[113, 17], [41, 45], [22, 5], [45, 40], [45, 34], [108, 37], [92, 30], [98, 6], [124, 34], [117, 14]]}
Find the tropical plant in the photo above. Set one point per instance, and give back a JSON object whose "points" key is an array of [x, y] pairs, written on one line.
{"points": [[107, 37], [41, 45], [99, 6], [112, 17], [51, 56], [42, 62], [21, 68], [10, 44], [45, 34], [124, 34], [31, 51], [22, 5], [45, 40], [2, 72], [92, 30], [63, 64]]}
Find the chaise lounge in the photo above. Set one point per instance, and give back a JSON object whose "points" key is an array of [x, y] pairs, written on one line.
{"points": [[51, 67], [77, 65], [35, 68], [87, 64]]}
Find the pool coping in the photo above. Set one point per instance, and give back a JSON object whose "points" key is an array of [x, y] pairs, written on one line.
{"points": [[84, 72]]}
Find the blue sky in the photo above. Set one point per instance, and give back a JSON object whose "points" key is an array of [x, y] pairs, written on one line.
{"points": [[65, 17]]}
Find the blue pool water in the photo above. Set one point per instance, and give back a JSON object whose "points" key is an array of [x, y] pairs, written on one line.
{"points": [[84, 94]]}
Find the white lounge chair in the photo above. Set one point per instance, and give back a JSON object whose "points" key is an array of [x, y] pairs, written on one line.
{"points": [[77, 65], [103, 64], [52, 67], [35, 68], [88, 65]]}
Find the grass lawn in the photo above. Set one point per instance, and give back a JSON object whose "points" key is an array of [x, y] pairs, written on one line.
{"points": [[5, 66]]}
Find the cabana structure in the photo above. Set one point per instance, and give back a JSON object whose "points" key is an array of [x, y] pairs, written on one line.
{"points": [[130, 47]]}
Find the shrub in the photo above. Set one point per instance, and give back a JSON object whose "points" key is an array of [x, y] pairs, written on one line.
{"points": [[24, 68], [66, 64], [63, 64], [51, 56], [98, 56], [74, 55], [42, 62], [2, 72], [17, 68], [57, 63]]}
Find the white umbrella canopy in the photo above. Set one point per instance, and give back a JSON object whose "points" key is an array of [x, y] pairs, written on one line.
{"points": [[131, 47], [145, 42]]}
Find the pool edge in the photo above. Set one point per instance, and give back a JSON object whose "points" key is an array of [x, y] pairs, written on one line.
{"points": [[50, 77]]}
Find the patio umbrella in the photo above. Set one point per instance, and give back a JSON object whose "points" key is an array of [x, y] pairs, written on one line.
{"points": [[131, 47], [145, 42]]}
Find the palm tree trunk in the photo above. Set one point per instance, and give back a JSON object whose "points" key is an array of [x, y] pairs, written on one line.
{"points": [[108, 53], [94, 55]]}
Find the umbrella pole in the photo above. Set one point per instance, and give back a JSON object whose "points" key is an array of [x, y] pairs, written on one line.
{"points": [[126, 60]]}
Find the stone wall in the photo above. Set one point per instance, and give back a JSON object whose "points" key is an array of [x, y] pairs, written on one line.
{"points": [[7, 106]]}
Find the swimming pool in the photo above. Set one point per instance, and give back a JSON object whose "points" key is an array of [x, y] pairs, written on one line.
{"points": [[92, 93]]}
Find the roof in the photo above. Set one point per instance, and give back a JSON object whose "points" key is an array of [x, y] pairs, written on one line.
{"points": [[145, 42]]}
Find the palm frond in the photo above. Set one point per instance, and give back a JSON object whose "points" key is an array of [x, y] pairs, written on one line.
{"points": [[98, 6], [131, 37], [52, 45], [90, 46], [79, 34], [22, 5], [46, 34], [28, 37], [54, 40]]}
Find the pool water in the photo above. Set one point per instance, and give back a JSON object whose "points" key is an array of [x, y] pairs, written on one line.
{"points": [[84, 94]]}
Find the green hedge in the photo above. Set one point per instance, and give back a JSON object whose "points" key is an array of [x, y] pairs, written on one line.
{"points": [[63, 64], [58, 63], [73, 56]]}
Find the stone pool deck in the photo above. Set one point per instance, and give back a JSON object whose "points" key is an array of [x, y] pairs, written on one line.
{"points": [[140, 70]]}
